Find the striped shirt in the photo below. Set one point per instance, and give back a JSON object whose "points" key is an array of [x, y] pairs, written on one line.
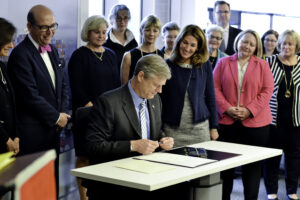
{"points": [[277, 71]]}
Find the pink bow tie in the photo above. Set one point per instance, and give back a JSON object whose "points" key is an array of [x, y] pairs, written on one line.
{"points": [[43, 49]]}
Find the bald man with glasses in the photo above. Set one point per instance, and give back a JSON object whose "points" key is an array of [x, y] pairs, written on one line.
{"points": [[39, 84]]}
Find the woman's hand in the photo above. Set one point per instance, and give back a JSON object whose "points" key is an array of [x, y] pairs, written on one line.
{"points": [[214, 135], [232, 112], [243, 113]]}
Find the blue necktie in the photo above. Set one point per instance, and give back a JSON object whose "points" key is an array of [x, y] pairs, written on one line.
{"points": [[143, 119]]}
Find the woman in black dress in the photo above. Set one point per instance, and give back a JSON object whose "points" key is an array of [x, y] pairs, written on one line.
{"points": [[93, 70], [150, 30]]}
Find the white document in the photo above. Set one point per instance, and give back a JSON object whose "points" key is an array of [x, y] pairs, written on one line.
{"points": [[175, 159], [145, 166]]}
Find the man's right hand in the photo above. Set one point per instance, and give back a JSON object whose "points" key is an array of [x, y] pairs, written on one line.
{"points": [[144, 146], [63, 120]]}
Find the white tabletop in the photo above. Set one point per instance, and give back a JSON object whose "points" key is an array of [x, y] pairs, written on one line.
{"points": [[107, 172]]}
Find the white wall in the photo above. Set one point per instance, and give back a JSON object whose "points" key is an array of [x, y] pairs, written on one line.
{"points": [[4, 8]]}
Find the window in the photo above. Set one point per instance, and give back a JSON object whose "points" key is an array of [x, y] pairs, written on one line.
{"points": [[95, 7], [258, 22], [282, 23]]}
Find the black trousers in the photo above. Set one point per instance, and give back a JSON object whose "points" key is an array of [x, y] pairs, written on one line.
{"points": [[288, 139], [251, 173]]}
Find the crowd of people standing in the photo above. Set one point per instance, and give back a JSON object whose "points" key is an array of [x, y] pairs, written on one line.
{"points": [[218, 83]]}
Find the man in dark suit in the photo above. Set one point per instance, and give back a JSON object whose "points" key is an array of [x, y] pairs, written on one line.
{"points": [[39, 83], [222, 16], [116, 128]]}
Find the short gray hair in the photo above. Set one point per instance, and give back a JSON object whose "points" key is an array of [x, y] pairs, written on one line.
{"points": [[153, 65], [92, 23], [291, 33], [114, 12], [213, 28]]}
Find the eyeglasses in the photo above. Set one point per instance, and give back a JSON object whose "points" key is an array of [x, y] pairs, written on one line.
{"points": [[214, 37], [272, 41], [120, 19], [223, 12], [45, 28]]}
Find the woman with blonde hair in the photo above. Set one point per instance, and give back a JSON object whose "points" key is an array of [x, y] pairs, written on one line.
{"points": [[93, 70], [244, 86], [150, 30], [285, 107]]}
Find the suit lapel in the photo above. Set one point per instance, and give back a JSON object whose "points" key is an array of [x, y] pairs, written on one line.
{"points": [[128, 107], [40, 62], [230, 38]]}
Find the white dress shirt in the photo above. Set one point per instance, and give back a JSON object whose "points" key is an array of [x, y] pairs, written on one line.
{"points": [[46, 59]]}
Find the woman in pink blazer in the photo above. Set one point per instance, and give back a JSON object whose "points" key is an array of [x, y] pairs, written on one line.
{"points": [[244, 86]]}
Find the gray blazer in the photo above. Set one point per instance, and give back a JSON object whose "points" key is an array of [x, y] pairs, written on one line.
{"points": [[113, 122]]}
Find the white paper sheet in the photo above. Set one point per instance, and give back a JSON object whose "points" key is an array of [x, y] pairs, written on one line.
{"points": [[144, 166]]}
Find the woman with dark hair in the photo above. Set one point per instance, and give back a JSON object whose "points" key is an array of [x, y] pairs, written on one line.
{"points": [[8, 139], [8, 136], [189, 105], [269, 40], [244, 86], [119, 38]]}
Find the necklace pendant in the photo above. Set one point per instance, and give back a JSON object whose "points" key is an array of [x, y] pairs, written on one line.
{"points": [[287, 94]]}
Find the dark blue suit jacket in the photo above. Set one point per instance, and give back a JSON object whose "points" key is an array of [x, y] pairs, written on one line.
{"points": [[38, 102], [233, 32], [198, 82]]}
